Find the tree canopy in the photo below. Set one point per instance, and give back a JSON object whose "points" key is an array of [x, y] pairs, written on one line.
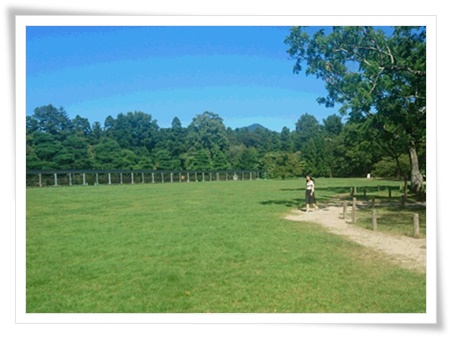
{"points": [[378, 79], [135, 141]]}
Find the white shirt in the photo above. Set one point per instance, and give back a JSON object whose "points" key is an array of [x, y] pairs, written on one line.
{"points": [[309, 185]]}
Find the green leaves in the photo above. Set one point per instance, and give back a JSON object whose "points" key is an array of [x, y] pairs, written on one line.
{"points": [[207, 141], [283, 164], [372, 75]]}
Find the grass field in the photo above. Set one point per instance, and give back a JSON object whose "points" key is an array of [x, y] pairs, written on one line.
{"points": [[391, 216], [216, 247]]}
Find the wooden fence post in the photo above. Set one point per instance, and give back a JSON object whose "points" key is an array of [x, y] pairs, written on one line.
{"points": [[354, 211], [416, 224], [390, 193], [373, 202], [374, 219], [73, 178]]}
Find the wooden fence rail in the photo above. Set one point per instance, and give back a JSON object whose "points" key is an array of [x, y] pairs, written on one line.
{"points": [[416, 227], [43, 178]]}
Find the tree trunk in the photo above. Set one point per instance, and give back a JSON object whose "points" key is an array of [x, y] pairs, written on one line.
{"points": [[416, 176]]}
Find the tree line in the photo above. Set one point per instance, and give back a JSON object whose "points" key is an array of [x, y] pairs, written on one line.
{"points": [[134, 141], [377, 79]]}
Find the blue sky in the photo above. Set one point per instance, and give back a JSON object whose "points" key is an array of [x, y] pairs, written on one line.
{"points": [[242, 74]]}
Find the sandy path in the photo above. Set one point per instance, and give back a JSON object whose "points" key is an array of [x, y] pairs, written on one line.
{"points": [[406, 251]]}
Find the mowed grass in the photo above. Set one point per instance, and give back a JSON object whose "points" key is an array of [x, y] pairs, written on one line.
{"points": [[220, 247]]}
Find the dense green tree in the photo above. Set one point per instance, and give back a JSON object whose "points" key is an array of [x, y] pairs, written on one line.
{"points": [[332, 128], [286, 140], [354, 155], [173, 140], [219, 160], [177, 136], [198, 160], [249, 159], [307, 127], [46, 148], [128, 160], [377, 79], [206, 138], [109, 125], [107, 154], [96, 133], [75, 154], [389, 168], [163, 160], [250, 138], [51, 120], [333, 125], [81, 126], [235, 153], [309, 140], [283, 164], [133, 130], [331, 148]]}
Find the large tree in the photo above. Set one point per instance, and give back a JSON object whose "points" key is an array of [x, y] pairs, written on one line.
{"points": [[310, 141], [51, 120], [379, 79], [133, 130], [207, 141]]}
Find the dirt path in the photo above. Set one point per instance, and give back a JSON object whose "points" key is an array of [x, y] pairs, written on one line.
{"points": [[406, 251]]}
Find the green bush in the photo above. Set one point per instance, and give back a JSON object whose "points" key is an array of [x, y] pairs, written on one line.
{"points": [[388, 168]]}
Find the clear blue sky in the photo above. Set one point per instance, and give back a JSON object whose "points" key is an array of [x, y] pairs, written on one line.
{"points": [[241, 73]]}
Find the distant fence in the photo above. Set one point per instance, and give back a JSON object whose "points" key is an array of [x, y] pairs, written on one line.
{"points": [[43, 178]]}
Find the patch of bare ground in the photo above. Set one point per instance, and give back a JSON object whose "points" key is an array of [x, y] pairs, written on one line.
{"points": [[408, 252]]}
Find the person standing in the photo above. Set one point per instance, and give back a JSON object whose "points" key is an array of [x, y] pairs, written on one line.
{"points": [[309, 195]]}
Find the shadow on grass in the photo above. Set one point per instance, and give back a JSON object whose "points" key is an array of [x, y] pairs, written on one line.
{"points": [[364, 194], [392, 204], [396, 220], [288, 203]]}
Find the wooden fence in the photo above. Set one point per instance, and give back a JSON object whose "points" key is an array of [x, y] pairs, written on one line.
{"points": [[401, 204], [43, 178]]}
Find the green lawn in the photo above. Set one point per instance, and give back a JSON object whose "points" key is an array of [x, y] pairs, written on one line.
{"points": [[392, 216], [202, 247]]}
